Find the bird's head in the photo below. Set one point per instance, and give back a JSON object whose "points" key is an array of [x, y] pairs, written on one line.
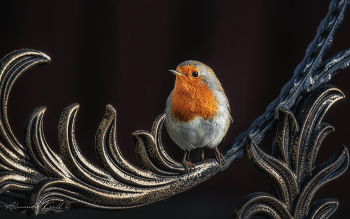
{"points": [[194, 74]]}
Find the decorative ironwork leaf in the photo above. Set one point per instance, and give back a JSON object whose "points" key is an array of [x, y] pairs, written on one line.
{"points": [[276, 171], [44, 159], [322, 208], [261, 204], [322, 174], [151, 144], [292, 171], [17, 171]]}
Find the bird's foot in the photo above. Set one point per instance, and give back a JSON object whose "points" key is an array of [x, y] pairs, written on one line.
{"points": [[218, 156], [185, 161], [188, 165]]}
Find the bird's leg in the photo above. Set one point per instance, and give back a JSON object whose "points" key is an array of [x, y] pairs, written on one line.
{"points": [[196, 155], [187, 163], [218, 156]]}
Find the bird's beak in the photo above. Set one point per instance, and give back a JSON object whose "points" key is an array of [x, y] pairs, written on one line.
{"points": [[177, 73]]}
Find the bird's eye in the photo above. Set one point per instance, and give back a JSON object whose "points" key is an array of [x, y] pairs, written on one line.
{"points": [[195, 74]]}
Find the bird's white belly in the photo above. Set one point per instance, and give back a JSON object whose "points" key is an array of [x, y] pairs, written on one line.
{"points": [[196, 133]]}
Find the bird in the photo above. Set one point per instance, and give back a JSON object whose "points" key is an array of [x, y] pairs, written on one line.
{"points": [[197, 110]]}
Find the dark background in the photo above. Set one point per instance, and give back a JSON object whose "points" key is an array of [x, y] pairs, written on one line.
{"points": [[119, 53]]}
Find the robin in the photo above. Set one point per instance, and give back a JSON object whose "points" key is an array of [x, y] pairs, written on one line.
{"points": [[197, 110]]}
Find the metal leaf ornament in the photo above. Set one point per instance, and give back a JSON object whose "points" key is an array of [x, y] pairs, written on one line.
{"points": [[291, 170]]}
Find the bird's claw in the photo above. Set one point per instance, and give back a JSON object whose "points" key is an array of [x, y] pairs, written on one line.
{"points": [[218, 156], [188, 165]]}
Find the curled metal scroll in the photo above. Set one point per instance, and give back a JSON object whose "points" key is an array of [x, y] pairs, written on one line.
{"points": [[291, 170], [34, 176]]}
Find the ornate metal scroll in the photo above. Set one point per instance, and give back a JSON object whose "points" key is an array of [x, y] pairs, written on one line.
{"points": [[291, 170], [36, 178]]}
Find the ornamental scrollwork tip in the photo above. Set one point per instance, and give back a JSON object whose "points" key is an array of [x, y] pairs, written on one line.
{"points": [[293, 177]]}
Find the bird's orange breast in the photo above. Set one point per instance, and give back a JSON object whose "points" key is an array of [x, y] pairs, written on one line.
{"points": [[191, 97]]}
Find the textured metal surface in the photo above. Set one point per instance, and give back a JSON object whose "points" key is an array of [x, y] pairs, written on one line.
{"points": [[38, 179], [291, 170]]}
